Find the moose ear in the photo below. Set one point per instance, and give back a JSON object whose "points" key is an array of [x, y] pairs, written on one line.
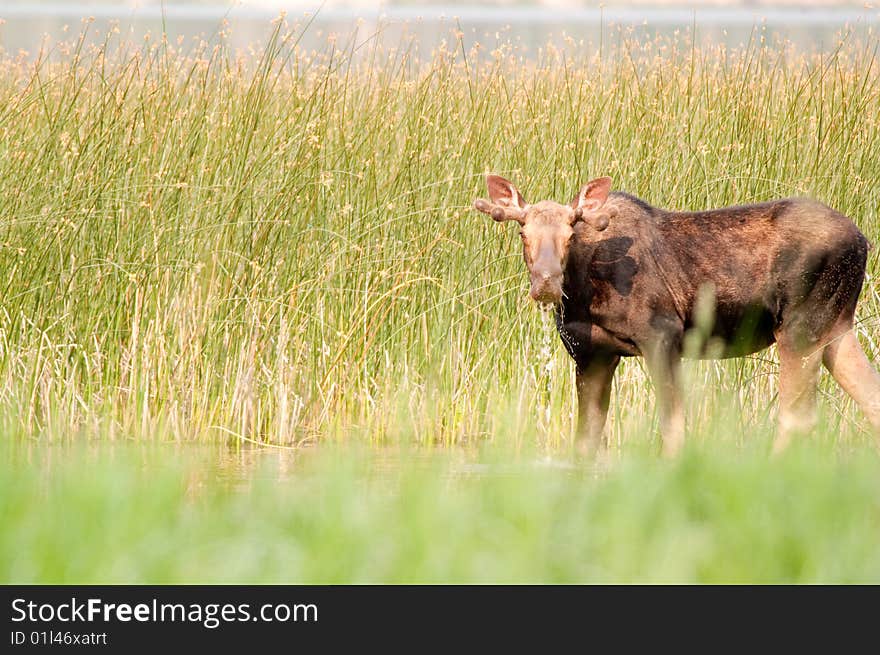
{"points": [[502, 192], [592, 195]]}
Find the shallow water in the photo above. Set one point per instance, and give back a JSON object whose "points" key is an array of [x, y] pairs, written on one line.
{"points": [[228, 466], [27, 24]]}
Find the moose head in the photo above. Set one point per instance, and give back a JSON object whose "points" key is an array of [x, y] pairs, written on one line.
{"points": [[546, 228]]}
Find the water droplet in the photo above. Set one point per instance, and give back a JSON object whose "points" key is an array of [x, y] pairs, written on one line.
{"points": [[543, 374]]}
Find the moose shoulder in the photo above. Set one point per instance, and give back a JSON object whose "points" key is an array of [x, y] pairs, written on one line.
{"points": [[630, 279]]}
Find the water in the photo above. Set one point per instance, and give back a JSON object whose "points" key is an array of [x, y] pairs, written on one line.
{"points": [[528, 28], [544, 377], [550, 437]]}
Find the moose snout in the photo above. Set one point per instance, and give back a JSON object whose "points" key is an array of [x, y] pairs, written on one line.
{"points": [[546, 288]]}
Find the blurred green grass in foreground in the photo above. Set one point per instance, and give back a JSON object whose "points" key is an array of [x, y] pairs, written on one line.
{"points": [[165, 514]]}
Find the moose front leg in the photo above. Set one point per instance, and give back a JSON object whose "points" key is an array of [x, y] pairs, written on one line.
{"points": [[664, 365], [594, 393]]}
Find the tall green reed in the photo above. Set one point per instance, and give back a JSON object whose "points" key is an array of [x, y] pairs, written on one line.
{"points": [[277, 246]]}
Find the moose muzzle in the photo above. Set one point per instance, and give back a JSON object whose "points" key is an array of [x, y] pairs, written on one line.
{"points": [[546, 287]]}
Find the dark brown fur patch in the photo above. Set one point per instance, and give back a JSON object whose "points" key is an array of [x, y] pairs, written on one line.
{"points": [[793, 267]]}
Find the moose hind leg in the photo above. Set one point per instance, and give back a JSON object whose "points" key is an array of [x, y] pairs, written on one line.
{"points": [[849, 365], [798, 378]]}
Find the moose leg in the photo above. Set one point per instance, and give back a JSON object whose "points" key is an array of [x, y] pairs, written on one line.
{"points": [[594, 392], [664, 365], [798, 376], [849, 365]]}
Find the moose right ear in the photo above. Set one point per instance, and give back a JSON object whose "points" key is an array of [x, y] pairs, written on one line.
{"points": [[507, 203], [502, 192]]}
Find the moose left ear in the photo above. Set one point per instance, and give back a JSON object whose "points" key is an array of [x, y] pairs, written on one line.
{"points": [[592, 195]]}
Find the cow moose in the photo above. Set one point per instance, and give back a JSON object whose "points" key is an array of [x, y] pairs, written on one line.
{"points": [[628, 279]]}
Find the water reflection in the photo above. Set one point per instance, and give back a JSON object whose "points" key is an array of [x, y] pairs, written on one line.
{"points": [[199, 470]]}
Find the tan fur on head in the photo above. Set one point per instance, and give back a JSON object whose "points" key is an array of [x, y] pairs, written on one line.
{"points": [[547, 228]]}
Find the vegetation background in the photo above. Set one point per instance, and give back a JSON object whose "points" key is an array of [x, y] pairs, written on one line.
{"points": [[250, 329]]}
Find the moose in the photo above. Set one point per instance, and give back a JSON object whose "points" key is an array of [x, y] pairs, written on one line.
{"points": [[628, 279]]}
